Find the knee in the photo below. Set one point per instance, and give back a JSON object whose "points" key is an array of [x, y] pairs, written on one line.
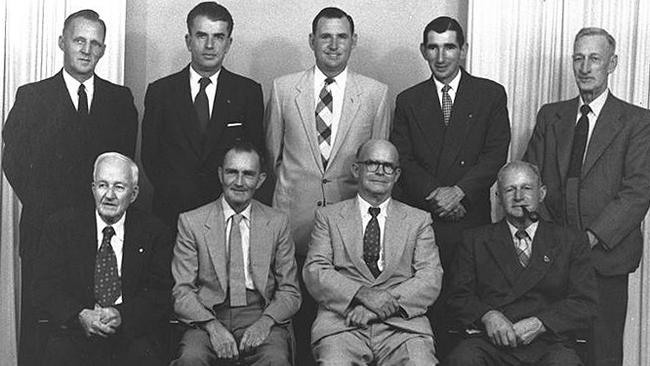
{"points": [[464, 354], [191, 357]]}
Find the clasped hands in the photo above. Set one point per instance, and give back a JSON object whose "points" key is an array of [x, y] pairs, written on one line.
{"points": [[224, 344], [100, 321], [373, 304], [502, 332], [445, 202]]}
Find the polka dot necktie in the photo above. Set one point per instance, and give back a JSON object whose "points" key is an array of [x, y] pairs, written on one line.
{"points": [[371, 242], [522, 248], [107, 282]]}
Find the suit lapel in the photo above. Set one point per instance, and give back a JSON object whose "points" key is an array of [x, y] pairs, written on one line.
{"points": [[215, 241], [501, 246], [88, 246], [350, 227], [541, 260], [260, 247], [394, 239], [429, 117], [351, 103], [606, 128], [563, 128], [305, 103], [459, 121], [186, 112], [132, 250], [219, 111]]}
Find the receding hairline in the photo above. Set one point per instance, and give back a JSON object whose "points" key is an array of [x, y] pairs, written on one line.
{"points": [[115, 156], [595, 31], [519, 165]]}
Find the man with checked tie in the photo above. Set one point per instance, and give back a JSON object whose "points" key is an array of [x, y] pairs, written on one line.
{"points": [[102, 276], [235, 273], [521, 286]]}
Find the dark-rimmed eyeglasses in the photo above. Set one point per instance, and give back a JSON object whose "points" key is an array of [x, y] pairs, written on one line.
{"points": [[373, 166]]}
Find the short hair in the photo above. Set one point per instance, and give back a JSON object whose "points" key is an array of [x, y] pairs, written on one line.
{"points": [[443, 24], [331, 13], [518, 165], [117, 156], [595, 31], [85, 14], [212, 11], [247, 147], [363, 145]]}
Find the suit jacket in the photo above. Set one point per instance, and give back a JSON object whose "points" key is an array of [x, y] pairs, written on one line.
{"points": [[180, 160], [49, 150], [65, 267], [468, 153], [200, 264], [335, 271], [558, 286], [292, 140], [614, 191]]}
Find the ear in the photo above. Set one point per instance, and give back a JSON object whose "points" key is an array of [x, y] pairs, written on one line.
{"points": [[613, 62], [61, 43], [312, 39], [354, 169], [134, 194], [188, 41], [542, 193], [220, 174], [463, 51], [260, 180], [423, 50], [354, 41]]}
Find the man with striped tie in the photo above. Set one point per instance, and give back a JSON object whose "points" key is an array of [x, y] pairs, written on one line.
{"points": [[521, 286]]}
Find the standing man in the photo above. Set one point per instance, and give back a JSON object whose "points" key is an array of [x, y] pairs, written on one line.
{"points": [[54, 132], [235, 271], [594, 153], [452, 132], [102, 276], [373, 268], [315, 120], [193, 116]]}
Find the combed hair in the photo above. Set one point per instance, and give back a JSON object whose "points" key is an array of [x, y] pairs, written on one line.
{"points": [[115, 155], [331, 13], [595, 31], [443, 24], [245, 146], [212, 11], [519, 165], [85, 14]]}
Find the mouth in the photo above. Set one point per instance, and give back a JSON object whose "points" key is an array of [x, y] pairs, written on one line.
{"points": [[209, 56]]}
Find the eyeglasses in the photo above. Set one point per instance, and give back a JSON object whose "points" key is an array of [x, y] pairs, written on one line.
{"points": [[373, 166]]}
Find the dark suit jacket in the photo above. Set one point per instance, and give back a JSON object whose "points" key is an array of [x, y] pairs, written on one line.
{"points": [[65, 267], [181, 161], [468, 153], [615, 177], [558, 286], [49, 151]]}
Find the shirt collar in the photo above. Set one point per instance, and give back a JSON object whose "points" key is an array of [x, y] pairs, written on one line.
{"points": [[597, 104], [364, 205], [228, 211], [530, 230], [339, 80], [195, 77], [73, 84], [118, 226], [453, 83]]}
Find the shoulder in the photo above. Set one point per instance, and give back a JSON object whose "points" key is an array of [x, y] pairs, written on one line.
{"points": [[366, 82], [416, 91], [145, 221], [243, 81], [41, 86], [269, 212], [111, 87], [630, 110], [482, 83], [199, 213], [482, 232], [290, 80], [337, 208], [172, 80], [415, 214]]}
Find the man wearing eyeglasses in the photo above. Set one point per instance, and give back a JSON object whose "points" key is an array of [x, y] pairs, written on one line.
{"points": [[373, 267]]}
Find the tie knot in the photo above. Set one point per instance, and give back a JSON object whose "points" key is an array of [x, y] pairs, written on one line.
{"points": [[329, 81], [81, 90], [204, 82], [446, 88], [374, 211], [521, 234], [236, 219], [108, 232], [585, 109]]}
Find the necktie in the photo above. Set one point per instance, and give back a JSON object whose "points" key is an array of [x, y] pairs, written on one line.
{"points": [[324, 112], [201, 104], [107, 282], [579, 142], [236, 278], [523, 247], [446, 104], [371, 242], [83, 100]]}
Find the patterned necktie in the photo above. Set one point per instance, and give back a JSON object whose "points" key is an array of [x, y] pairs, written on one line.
{"points": [[236, 278], [324, 113], [523, 248], [83, 100], [579, 142], [107, 282], [201, 104], [446, 104], [371, 242]]}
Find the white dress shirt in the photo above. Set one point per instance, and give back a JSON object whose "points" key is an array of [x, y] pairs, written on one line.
{"points": [[245, 230], [381, 219], [596, 106], [117, 242], [73, 89], [452, 92], [338, 91], [210, 90], [530, 230]]}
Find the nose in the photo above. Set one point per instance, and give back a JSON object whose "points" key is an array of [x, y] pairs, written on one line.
{"points": [[239, 181], [110, 193], [334, 44], [440, 56], [209, 42], [585, 66], [85, 49], [519, 195]]}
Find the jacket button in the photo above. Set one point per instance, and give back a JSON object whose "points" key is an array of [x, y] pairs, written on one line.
{"points": [[325, 181], [462, 163], [320, 203]]}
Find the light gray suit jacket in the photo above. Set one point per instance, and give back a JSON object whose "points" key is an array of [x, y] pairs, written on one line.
{"points": [[199, 265], [335, 270], [292, 141]]}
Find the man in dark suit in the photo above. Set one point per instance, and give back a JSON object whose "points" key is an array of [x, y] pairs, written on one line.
{"points": [[373, 268], [102, 276], [193, 116], [594, 153], [452, 132], [53, 133], [235, 274], [521, 286]]}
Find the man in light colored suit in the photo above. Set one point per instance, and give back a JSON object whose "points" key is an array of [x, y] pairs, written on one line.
{"points": [[235, 273], [373, 268], [314, 121], [594, 153]]}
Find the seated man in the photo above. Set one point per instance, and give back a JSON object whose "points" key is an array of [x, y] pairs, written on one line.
{"points": [[235, 272], [102, 276], [373, 268], [524, 285]]}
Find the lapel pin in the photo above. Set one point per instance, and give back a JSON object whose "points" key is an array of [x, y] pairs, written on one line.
{"points": [[140, 250], [470, 115], [547, 259], [227, 101]]}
